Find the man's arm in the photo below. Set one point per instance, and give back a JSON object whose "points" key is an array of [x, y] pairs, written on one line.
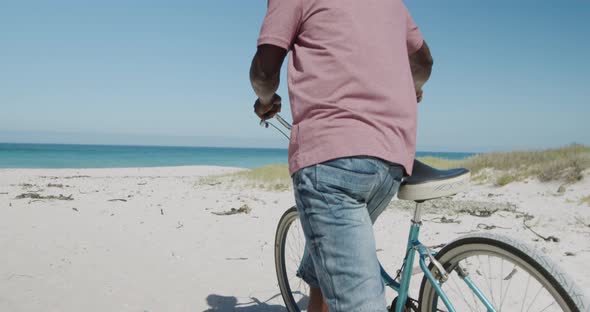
{"points": [[421, 64], [277, 35], [265, 71]]}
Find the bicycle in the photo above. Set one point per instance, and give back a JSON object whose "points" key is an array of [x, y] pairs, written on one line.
{"points": [[476, 272]]}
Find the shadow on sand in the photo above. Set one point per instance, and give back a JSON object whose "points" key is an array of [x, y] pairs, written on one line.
{"points": [[219, 303]]}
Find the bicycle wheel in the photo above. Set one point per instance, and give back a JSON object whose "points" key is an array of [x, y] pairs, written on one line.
{"points": [[289, 249], [511, 275]]}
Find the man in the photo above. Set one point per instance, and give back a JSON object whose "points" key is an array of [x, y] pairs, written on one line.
{"points": [[356, 72]]}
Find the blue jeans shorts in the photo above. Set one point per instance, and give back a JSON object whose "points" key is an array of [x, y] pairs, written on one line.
{"points": [[338, 202]]}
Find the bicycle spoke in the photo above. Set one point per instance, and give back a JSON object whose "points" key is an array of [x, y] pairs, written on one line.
{"points": [[491, 287], [535, 298], [547, 307], [462, 296], [475, 299], [483, 276], [525, 292], [503, 297], [501, 282]]}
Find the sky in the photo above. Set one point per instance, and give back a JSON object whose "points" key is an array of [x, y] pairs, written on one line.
{"points": [[507, 74]]}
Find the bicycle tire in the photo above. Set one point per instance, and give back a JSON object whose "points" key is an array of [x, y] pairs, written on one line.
{"points": [[547, 274], [286, 222]]}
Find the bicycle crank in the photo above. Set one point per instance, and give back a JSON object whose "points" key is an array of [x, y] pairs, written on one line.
{"points": [[411, 305]]}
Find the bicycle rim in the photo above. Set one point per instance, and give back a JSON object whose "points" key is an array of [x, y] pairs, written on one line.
{"points": [[510, 275], [289, 249]]}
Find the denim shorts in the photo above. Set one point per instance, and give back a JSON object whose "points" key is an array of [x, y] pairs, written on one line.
{"points": [[338, 201]]}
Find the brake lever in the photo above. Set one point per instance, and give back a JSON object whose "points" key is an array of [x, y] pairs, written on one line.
{"points": [[283, 122]]}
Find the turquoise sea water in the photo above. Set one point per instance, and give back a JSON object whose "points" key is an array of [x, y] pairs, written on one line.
{"points": [[119, 156]]}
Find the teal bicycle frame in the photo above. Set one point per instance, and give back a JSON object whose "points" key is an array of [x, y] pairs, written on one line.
{"points": [[415, 246]]}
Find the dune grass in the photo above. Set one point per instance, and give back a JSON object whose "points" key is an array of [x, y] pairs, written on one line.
{"points": [[565, 164], [441, 163], [272, 177]]}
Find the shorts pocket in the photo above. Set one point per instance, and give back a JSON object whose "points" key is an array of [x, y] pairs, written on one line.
{"points": [[354, 174], [346, 188], [345, 179]]}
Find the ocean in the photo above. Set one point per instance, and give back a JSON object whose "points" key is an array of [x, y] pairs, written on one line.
{"points": [[16, 155]]}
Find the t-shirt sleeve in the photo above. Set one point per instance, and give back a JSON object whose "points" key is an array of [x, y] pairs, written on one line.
{"points": [[281, 23], [414, 37]]}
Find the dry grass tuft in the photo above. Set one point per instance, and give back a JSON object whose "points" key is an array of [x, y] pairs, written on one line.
{"points": [[270, 178], [505, 179]]}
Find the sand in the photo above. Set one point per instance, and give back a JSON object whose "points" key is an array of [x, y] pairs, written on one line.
{"points": [[159, 239]]}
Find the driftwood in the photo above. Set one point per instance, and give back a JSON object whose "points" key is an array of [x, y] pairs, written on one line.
{"points": [[117, 199], [479, 213], [37, 196], [484, 226], [244, 209], [57, 185], [547, 239], [444, 220]]}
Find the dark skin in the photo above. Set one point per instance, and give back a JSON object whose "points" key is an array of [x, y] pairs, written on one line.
{"points": [[421, 65], [265, 78]]}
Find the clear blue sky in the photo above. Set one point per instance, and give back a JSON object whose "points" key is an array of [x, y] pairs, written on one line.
{"points": [[508, 74]]}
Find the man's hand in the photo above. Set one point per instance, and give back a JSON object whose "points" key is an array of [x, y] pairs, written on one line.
{"points": [[419, 94], [421, 65], [269, 109]]}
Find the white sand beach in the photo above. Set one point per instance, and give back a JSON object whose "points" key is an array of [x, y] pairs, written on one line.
{"points": [[147, 239]]}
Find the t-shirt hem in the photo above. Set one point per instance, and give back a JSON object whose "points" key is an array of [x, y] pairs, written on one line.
{"points": [[295, 163]]}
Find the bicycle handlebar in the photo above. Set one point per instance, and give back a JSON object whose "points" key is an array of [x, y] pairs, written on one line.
{"points": [[283, 122]]}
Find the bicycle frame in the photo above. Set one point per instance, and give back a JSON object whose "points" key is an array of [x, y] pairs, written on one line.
{"points": [[415, 246]]}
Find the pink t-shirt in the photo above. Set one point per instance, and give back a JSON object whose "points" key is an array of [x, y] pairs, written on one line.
{"points": [[350, 84]]}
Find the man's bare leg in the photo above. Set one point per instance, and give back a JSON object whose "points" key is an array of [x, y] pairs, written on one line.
{"points": [[316, 301]]}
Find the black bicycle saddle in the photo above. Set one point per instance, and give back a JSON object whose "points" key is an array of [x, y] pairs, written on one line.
{"points": [[428, 183], [423, 173]]}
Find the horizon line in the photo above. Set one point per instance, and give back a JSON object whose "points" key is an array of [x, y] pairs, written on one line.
{"points": [[198, 146]]}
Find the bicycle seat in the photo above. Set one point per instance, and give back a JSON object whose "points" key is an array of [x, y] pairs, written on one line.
{"points": [[428, 183]]}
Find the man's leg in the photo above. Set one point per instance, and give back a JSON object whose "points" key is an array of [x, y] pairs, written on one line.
{"points": [[306, 271], [376, 205], [334, 200], [316, 301]]}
